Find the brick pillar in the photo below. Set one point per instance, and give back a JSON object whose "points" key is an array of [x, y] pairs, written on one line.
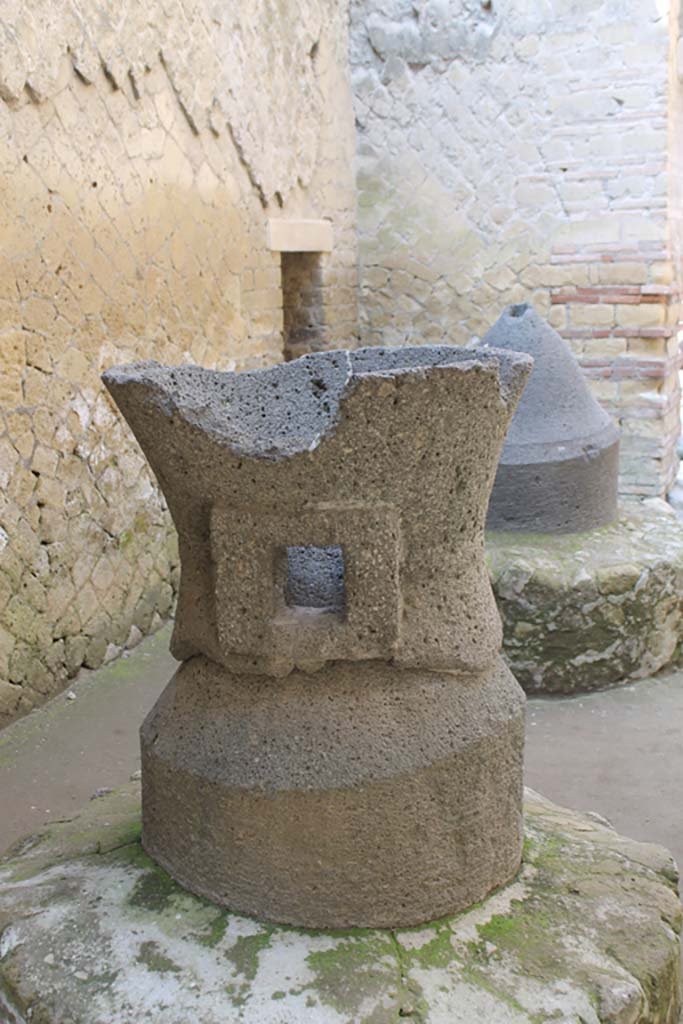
{"points": [[623, 327]]}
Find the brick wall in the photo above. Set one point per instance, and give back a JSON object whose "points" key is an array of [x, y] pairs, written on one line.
{"points": [[510, 152]]}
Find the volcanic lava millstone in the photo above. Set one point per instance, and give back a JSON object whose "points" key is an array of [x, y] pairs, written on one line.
{"points": [[590, 595], [342, 744], [559, 470]]}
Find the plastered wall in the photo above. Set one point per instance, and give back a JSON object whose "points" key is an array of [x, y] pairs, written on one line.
{"points": [[512, 151], [143, 147]]}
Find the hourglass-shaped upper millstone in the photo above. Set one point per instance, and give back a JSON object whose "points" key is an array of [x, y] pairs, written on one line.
{"points": [[559, 470], [355, 482]]}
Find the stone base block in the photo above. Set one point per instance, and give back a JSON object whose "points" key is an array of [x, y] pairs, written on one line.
{"points": [[357, 795], [589, 610], [93, 932]]}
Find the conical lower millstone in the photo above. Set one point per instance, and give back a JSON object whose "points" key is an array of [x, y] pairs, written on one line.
{"points": [[559, 469]]}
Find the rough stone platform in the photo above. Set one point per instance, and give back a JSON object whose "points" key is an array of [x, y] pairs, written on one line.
{"points": [[588, 610], [92, 932]]}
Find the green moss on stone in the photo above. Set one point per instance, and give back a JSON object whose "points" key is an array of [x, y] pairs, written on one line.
{"points": [[153, 890], [217, 929], [151, 956], [142, 522], [245, 952], [527, 930], [477, 977], [437, 952], [354, 968], [542, 851]]}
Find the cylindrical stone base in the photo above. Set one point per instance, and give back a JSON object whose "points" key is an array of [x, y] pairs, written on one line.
{"points": [[589, 610], [561, 494], [360, 795]]}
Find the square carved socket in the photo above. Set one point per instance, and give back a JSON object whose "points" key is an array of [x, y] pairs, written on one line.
{"points": [[314, 578]]}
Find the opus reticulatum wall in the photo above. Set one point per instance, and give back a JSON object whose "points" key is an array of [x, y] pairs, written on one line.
{"points": [[144, 149], [513, 151]]}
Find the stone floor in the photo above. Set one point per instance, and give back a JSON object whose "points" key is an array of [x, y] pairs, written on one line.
{"points": [[618, 752]]}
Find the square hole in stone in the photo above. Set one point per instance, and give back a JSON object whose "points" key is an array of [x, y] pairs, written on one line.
{"points": [[315, 578]]}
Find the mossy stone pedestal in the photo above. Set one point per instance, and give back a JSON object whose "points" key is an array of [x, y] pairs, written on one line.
{"points": [[93, 932], [583, 611]]}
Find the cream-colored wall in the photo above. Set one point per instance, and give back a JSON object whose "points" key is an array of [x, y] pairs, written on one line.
{"points": [[675, 168], [140, 161], [512, 151]]}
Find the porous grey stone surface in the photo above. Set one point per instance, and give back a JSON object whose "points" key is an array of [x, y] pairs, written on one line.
{"points": [[558, 472], [590, 610], [358, 793], [315, 578], [355, 760], [389, 453], [92, 931]]}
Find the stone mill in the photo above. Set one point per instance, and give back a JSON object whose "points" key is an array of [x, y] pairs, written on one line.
{"points": [[588, 591], [559, 470], [342, 744]]}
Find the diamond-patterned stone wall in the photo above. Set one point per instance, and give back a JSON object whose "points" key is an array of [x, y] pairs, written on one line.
{"points": [[516, 151], [140, 161]]}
